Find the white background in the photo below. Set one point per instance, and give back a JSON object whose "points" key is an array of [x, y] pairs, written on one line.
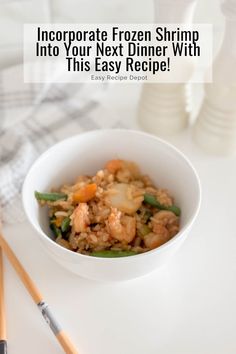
{"points": [[186, 308]]}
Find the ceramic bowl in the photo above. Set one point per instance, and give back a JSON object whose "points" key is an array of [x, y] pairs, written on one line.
{"points": [[87, 153]]}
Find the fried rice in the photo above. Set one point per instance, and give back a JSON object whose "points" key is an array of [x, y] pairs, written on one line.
{"points": [[117, 212]]}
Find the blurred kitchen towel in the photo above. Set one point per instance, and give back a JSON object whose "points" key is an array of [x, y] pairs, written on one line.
{"points": [[33, 117]]}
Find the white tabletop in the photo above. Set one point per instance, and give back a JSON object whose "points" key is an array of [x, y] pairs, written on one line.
{"points": [[188, 307]]}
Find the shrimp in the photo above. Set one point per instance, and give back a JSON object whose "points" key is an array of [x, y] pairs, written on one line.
{"points": [[153, 240], [173, 230], [164, 225], [165, 218], [114, 165], [80, 218], [121, 227], [125, 170]]}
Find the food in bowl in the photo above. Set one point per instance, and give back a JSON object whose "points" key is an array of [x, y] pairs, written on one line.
{"points": [[117, 212]]}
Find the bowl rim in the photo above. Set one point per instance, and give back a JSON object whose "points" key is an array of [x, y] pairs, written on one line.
{"points": [[116, 259]]}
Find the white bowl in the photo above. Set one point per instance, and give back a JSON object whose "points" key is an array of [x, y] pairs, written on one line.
{"points": [[87, 153]]}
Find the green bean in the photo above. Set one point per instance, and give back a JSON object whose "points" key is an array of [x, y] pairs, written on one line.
{"points": [[56, 231], [50, 197], [112, 254], [151, 200], [65, 225], [176, 210]]}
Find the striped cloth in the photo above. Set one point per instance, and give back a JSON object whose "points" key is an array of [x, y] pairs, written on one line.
{"points": [[32, 118]]}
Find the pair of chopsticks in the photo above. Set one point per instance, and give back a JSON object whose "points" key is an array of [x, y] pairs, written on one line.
{"points": [[36, 296]]}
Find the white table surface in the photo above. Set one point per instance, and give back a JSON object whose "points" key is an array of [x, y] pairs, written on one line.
{"points": [[188, 307]]}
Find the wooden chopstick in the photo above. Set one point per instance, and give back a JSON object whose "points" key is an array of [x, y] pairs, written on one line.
{"points": [[3, 335], [38, 299]]}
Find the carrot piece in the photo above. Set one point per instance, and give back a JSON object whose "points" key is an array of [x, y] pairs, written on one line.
{"points": [[85, 194], [114, 165]]}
